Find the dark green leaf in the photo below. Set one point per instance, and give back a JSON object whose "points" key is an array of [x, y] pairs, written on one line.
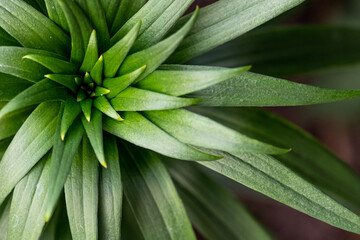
{"points": [[32, 142], [97, 71], [152, 196], [65, 80], [135, 99], [6, 39], [110, 7], [4, 145], [138, 130], [91, 54], [55, 65], [4, 218], [177, 80], [11, 123], [251, 89], [36, 31], [11, 86], [56, 14]]}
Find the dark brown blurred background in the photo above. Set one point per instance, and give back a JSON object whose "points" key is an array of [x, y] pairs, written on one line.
{"points": [[336, 125]]}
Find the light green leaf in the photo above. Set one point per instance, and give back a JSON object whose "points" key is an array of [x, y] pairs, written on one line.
{"points": [[135, 99], [94, 132], [65, 80], [226, 20], [12, 63], [308, 158], [62, 157], [11, 86], [153, 197], [251, 89], [161, 25], [42, 91], [81, 193], [284, 51], [11, 123], [177, 80], [6, 39], [86, 107], [55, 65], [268, 176], [211, 208], [32, 142], [116, 85], [72, 110], [200, 131], [154, 56], [111, 193], [126, 10], [102, 104], [114, 57], [138, 130], [36, 31], [91, 54]]}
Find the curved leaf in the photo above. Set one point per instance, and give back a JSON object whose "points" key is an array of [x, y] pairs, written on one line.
{"points": [[6, 39], [11, 123], [72, 110], [11, 86], [110, 7], [102, 104], [91, 54], [56, 14], [55, 65]]}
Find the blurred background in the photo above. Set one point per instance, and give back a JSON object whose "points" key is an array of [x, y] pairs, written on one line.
{"points": [[336, 125]]}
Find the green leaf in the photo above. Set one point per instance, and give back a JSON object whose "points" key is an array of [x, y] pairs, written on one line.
{"points": [[62, 157], [111, 193], [251, 89], [55, 65], [268, 176], [32, 142], [110, 7], [200, 131], [154, 56], [72, 110], [4, 218], [102, 104], [114, 57], [36, 31], [80, 29], [65, 80], [162, 24], [135, 99], [226, 20], [91, 54], [81, 193], [4, 145], [141, 132], [86, 107], [177, 80], [210, 206], [11, 123], [283, 51], [56, 14], [129, 227], [126, 10], [42, 91], [97, 71], [94, 132], [96, 14], [308, 158], [12, 63], [6, 39], [153, 197], [116, 85], [38, 5], [11, 86]]}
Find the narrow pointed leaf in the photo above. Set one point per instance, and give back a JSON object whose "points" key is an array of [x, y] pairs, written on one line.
{"points": [[42, 91], [200, 131], [11, 123], [55, 65], [251, 89], [111, 193], [162, 24], [37, 31], [226, 20], [86, 106], [210, 206], [268, 176], [100, 91], [56, 14], [102, 104], [72, 110], [117, 53], [124, 12], [138, 130], [62, 157], [177, 80], [32, 142], [81, 95], [11, 86], [116, 85], [157, 54], [135, 99], [91, 54], [110, 7], [12, 63], [65, 80], [81, 194], [94, 132], [97, 71], [153, 197]]}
